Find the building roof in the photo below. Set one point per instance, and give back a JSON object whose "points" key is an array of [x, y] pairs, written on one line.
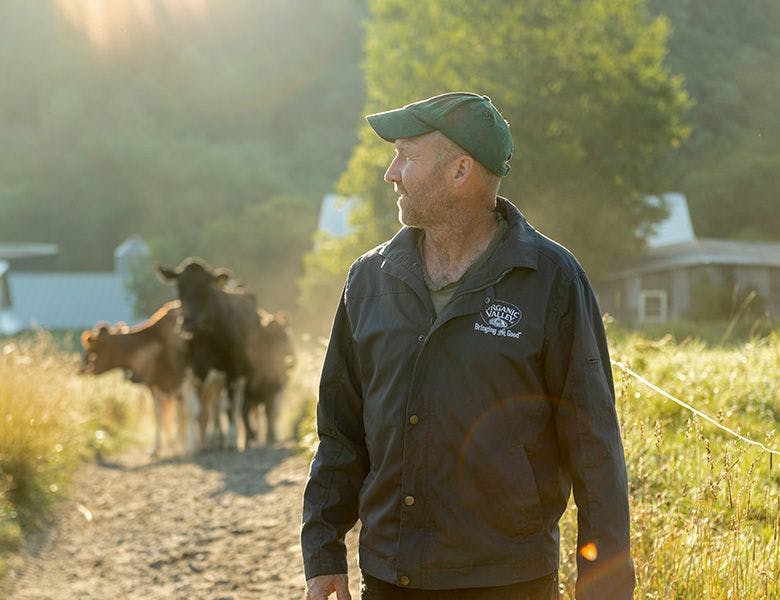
{"points": [[132, 246], [14, 250], [677, 227], [334, 215], [699, 252], [68, 300]]}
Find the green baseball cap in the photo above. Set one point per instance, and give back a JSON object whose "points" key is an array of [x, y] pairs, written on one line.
{"points": [[469, 120]]}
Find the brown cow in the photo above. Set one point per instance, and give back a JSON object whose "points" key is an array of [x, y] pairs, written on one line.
{"points": [[156, 355]]}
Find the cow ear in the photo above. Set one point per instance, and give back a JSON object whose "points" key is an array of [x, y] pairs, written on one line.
{"points": [[165, 274], [222, 276], [87, 341]]}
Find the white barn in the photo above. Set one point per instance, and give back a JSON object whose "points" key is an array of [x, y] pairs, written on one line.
{"points": [[62, 300]]}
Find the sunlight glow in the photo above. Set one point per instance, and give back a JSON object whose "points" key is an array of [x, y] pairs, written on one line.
{"points": [[111, 23]]}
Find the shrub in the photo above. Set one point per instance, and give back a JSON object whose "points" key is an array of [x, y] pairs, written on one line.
{"points": [[50, 420]]}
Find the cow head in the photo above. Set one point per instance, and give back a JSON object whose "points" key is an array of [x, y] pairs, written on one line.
{"points": [[96, 359], [197, 284]]}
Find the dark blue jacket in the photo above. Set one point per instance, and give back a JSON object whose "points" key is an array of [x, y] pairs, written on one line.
{"points": [[456, 439]]}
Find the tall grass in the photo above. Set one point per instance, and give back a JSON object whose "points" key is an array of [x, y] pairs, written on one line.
{"points": [[50, 420], [705, 506]]}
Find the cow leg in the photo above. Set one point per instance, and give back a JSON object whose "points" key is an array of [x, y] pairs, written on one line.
{"points": [[178, 442], [271, 403], [170, 430], [236, 410], [158, 400], [249, 410], [188, 402], [220, 413], [187, 397], [211, 395]]}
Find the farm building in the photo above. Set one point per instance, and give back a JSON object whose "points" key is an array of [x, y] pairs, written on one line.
{"points": [[49, 299], [679, 273]]}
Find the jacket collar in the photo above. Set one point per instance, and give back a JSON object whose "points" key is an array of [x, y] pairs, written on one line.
{"points": [[520, 247]]}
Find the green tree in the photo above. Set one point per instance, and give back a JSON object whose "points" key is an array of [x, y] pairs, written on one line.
{"points": [[262, 246], [279, 231], [592, 107], [730, 167], [147, 291]]}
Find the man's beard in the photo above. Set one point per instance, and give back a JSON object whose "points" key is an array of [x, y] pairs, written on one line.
{"points": [[423, 208]]}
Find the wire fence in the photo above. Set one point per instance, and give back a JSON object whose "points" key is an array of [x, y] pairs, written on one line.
{"points": [[623, 367]]}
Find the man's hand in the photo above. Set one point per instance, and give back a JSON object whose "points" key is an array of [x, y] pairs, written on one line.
{"points": [[322, 586]]}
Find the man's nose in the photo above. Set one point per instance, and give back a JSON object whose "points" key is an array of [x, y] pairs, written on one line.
{"points": [[392, 175]]}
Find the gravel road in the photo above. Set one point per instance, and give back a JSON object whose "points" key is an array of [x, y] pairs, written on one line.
{"points": [[215, 526]]}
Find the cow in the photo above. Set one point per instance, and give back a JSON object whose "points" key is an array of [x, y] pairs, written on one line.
{"points": [[254, 346], [153, 353]]}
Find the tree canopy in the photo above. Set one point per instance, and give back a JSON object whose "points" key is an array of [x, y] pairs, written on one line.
{"points": [[593, 108], [729, 169], [211, 134]]}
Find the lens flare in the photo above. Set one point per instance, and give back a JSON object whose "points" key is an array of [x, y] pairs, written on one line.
{"points": [[589, 552]]}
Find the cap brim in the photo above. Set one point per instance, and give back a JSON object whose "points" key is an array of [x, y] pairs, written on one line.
{"points": [[397, 124]]}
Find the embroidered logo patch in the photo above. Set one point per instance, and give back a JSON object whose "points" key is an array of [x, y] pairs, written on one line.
{"points": [[499, 318], [501, 315]]}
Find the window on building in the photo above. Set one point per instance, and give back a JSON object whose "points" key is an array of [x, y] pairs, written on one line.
{"points": [[653, 306]]}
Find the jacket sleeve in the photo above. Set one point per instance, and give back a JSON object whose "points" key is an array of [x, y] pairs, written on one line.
{"points": [[579, 373], [340, 464]]}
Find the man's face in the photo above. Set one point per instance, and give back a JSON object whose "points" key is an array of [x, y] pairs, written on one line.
{"points": [[418, 175]]}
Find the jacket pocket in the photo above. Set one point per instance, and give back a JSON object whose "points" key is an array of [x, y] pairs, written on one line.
{"points": [[508, 498]]}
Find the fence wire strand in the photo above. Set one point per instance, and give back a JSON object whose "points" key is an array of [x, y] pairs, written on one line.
{"points": [[623, 367]]}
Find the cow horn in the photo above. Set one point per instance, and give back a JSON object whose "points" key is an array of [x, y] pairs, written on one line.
{"points": [[222, 276], [165, 274]]}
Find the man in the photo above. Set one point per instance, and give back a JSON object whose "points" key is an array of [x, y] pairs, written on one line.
{"points": [[466, 389]]}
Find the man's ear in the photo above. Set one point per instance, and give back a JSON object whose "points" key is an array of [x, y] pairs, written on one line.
{"points": [[165, 274], [464, 167]]}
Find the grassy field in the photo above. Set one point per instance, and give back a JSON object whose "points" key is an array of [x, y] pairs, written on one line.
{"points": [[705, 505], [51, 419]]}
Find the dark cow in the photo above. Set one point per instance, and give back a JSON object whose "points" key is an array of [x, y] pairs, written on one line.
{"points": [[253, 346], [153, 353]]}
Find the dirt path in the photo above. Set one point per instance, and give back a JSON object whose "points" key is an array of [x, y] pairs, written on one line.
{"points": [[216, 526]]}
